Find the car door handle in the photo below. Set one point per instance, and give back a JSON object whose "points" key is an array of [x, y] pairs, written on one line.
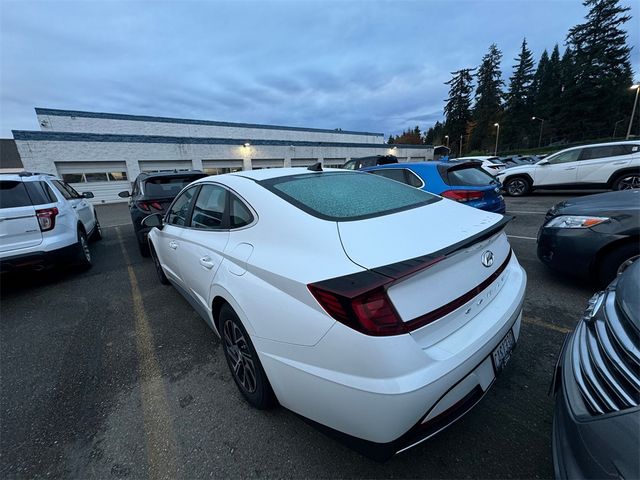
{"points": [[173, 245], [621, 163], [570, 168], [75, 206], [206, 262]]}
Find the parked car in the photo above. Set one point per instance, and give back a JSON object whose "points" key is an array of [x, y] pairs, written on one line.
{"points": [[152, 193], [596, 421], [44, 221], [614, 165], [287, 266], [592, 236], [464, 182], [491, 165], [516, 160], [363, 162]]}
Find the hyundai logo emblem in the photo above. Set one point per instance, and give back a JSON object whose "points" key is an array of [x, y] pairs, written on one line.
{"points": [[487, 258]]}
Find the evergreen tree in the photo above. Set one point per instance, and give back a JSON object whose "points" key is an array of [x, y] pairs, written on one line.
{"points": [[519, 99], [391, 140], [548, 95], [488, 99], [435, 135], [564, 115], [603, 67], [457, 110]]}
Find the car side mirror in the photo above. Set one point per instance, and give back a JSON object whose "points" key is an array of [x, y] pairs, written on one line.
{"points": [[543, 162], [124, 194], [153, 220], [88, 194]]}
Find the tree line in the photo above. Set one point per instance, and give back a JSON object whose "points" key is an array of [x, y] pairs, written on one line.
{"points": [[578, 94]]}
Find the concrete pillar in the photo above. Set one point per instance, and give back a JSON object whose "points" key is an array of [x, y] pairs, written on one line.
{"points": [[133, 169], [246, 163], [287, 161], [197, 164]]}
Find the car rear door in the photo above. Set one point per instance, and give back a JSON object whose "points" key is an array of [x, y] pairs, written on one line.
{"points": [[202, 244], [598, 164], [19, 227]]}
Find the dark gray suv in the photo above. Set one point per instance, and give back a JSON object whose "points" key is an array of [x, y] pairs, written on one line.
{"points": [[153, 193]]}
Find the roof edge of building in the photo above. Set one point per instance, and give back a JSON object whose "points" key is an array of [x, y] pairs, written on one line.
{"points": [[35, 135], [150, 118]]}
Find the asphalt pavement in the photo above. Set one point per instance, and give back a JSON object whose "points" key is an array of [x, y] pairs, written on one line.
{"points": [[109, 374]]}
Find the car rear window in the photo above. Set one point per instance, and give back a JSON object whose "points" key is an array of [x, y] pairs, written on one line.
{"points": [[347, 196], [467, 177], [167, 186], [13, 194]]}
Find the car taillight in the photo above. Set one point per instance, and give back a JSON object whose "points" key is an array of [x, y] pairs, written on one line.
{"points": [[148, 206], [463, 195], [47, 218], [370, 313]]}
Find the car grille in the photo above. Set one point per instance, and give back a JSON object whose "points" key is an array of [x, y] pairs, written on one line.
{"points": [[606, 359]]}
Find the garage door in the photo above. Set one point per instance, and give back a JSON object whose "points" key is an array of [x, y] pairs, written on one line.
{"points": [[164, 165], [218, 167], [258, 163], [103, 179], [334, 162], [303, 162]]}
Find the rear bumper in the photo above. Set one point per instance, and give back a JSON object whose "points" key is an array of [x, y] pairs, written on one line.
{"points": [[36, 260], [495, 206], [382, 395]]}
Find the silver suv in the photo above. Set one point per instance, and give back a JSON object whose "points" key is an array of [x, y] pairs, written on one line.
{"points": [[44, 221]]}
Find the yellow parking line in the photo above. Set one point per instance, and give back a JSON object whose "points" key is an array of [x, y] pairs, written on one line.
{"points": [[550, 326], [161, 448]]}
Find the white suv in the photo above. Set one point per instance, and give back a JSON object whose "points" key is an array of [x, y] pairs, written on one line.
{"points": [[44, 220], [614, 165]]}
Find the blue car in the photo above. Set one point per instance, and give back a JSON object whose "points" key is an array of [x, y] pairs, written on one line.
{"points": [[463, 182]]}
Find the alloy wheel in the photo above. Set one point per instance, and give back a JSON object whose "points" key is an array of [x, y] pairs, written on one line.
{"points": [[629, 182], [85, 248], [517, 187], [242, 363]]}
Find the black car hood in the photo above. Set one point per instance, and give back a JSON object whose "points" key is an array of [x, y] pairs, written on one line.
{"points": [[627, 293], [627, 200]]}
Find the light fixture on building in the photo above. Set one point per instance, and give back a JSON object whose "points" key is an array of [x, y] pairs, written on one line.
{"points": [[394, 148], [247, 144]]}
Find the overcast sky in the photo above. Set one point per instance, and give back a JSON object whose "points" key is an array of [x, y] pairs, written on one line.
{"points": [[355, 65]]}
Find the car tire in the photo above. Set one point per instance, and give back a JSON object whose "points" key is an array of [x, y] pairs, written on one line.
{"points": [[611, 262], [517, 186], [156, 262], [82, 253], [243, 361], [627, 181], [97, 231], [144, 249]]}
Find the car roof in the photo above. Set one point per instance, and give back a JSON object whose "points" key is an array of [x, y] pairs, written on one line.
{"points": [[27, 176], [604, 144], [268, 173], [170, 173]]}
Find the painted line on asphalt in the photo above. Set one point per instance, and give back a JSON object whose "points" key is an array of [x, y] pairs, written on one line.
{"points": [[549, 326], [522, 238], [117, 225], [160, 441], [527, 213]]}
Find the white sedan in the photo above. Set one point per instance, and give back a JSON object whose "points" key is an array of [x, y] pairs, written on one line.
{"points": [[378, 311]]}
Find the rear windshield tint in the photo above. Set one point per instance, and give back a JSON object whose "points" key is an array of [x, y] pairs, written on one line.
{"points": [[161, 187], [347, 196], [13, 194], [468, 177]]}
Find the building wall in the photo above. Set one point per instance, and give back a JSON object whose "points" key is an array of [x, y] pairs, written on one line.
{"points": [[87, 122], [43, 155]]}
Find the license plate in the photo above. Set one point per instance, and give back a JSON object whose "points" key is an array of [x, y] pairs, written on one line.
{"points": [[502, 352]]}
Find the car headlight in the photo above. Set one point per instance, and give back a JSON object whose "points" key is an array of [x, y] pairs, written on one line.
{"points": [[576, 221]]}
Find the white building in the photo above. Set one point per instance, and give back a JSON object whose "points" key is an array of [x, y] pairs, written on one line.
{"points": [[104, 152]]}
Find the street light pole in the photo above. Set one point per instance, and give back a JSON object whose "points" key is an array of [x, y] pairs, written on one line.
{"points": [[460, 154], [635, 87], [615, 127], [446, 137], [541, 126], [495, 152]]}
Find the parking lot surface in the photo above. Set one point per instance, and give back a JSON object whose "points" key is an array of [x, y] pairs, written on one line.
{"points": [[109, 374]]}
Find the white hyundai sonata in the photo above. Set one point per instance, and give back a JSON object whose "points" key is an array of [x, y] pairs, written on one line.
{"points": [[377, 311]]}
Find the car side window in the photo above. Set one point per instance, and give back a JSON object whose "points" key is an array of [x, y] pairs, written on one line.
{"points": [[179, 211], [570, 156], [350, 165], [602, 152], [40, 193], [413, 179], [209, 209], [396, 174], [239, 214], [61, 188]]}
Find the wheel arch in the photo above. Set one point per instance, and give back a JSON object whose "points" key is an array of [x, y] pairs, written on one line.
{"points": [[609, 247], [525, 175], [618, 173], [220, 297]]}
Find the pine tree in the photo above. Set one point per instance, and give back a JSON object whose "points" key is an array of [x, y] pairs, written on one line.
{"points": [[549, 93], [519, 99], [434, 135], [602, 63], [488, 99], [565, 113], [457, 110], [391, 140]]}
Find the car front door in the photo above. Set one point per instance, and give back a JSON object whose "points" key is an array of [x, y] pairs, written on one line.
{"points": [[169, 244], [559, 169], [79, 204], [598, 164], [204, 241]]}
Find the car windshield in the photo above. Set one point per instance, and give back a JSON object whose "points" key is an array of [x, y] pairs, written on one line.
{"points": [[347, 196], [468, 177], [495, 161], [167, 186]]}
